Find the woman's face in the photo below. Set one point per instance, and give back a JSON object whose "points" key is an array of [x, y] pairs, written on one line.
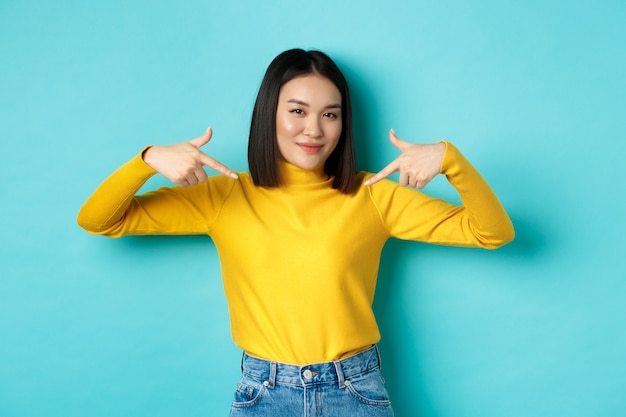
{"points": [[308, 120]]}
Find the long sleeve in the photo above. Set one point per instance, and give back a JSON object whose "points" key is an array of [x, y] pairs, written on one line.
{"points": [[108, 204], [276, 244], [480, 220], [114, 210]]}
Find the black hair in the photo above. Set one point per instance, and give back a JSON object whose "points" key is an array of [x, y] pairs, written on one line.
{"points": [[263, 153]]}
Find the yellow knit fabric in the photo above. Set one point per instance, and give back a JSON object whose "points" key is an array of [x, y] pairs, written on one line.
{"points": [[300, 262]]}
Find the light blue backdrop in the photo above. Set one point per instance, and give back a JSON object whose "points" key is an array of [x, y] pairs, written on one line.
{"points": [[533, 92]]}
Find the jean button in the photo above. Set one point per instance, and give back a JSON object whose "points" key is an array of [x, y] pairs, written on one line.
{"points": [[307, 374]]}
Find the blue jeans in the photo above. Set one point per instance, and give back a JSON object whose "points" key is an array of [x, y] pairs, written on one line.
{"points": [[348, 387]]}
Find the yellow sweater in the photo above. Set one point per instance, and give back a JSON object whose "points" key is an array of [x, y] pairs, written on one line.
{"points": [[299, 262]]}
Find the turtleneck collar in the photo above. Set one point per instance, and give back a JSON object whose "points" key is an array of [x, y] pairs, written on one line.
{"points": [[293, 175]]}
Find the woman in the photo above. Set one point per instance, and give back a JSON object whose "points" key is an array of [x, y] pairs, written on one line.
{"points": [[300, 237]]}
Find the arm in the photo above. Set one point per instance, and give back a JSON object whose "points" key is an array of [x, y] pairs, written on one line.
{"points": [[479, 221], [109, 203], [114, 210]]}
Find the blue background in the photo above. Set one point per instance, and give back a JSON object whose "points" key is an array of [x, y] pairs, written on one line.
{"points": [[533, 92]]}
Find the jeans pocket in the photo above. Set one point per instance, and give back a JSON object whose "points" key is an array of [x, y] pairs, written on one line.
{"points": [[249, 392], [369, 389]]}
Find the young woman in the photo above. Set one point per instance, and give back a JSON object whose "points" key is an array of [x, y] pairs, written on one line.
{"points": [[300, 236]]}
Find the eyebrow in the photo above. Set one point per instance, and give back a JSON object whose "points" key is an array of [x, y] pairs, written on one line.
{"points": [[304, 103]]}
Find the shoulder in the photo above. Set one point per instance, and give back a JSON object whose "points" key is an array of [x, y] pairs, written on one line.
{"points": [[214, 189], [228, 188], [225, 181]]}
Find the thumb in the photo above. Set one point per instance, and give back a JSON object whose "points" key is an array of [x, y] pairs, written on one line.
{"points": [[396, 141], [200, 141]]}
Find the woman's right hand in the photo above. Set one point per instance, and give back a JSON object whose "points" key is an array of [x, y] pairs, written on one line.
{"points": [[182, 163]]}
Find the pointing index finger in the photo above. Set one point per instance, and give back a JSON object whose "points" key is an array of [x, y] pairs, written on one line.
{"points": [[218, 166], [382, 174]]}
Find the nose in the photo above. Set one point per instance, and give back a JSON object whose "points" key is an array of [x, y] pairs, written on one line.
{"points": [[313, 128]]}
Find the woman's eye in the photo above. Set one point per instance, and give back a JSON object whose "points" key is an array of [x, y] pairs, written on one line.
{"points": [[331, 115], [297, 111]]}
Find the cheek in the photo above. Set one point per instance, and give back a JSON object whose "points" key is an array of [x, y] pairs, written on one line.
{"points": [[286, 127], [335, 132]]}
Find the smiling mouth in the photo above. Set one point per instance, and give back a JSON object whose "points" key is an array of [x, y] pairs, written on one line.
{"points": [[310, 147]]}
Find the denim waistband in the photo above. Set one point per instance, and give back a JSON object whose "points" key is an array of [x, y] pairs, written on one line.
{"points": [[324, 372]]}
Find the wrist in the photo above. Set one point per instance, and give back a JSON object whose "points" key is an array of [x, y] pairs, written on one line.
{"points": [[149, 155]]}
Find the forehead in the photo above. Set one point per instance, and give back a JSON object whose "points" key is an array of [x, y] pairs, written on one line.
{"points": [[311, 88]]}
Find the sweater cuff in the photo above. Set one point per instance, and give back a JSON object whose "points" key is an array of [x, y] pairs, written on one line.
{"points": [[140, 165], [450, 159]]}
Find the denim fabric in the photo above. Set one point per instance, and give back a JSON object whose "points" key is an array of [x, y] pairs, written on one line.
{"points": [[349, 387]]}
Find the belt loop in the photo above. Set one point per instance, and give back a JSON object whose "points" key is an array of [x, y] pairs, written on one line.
{"points": [[272, 379], [340, 376], [377, 356]]}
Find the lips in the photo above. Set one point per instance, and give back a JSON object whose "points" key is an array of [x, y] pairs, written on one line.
{"points": [[310, 147]]}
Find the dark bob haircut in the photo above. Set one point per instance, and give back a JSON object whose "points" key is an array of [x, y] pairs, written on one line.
{"points": [[263, 153]]}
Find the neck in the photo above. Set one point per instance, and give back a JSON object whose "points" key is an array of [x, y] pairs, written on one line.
{"points": [[293, 175]]}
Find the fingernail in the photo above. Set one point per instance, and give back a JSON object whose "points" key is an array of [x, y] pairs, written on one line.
{"points": [[366, 183], [234, 175]]}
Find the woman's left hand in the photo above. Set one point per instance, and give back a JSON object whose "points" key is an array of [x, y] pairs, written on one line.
{"points": [[418, 164]]}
